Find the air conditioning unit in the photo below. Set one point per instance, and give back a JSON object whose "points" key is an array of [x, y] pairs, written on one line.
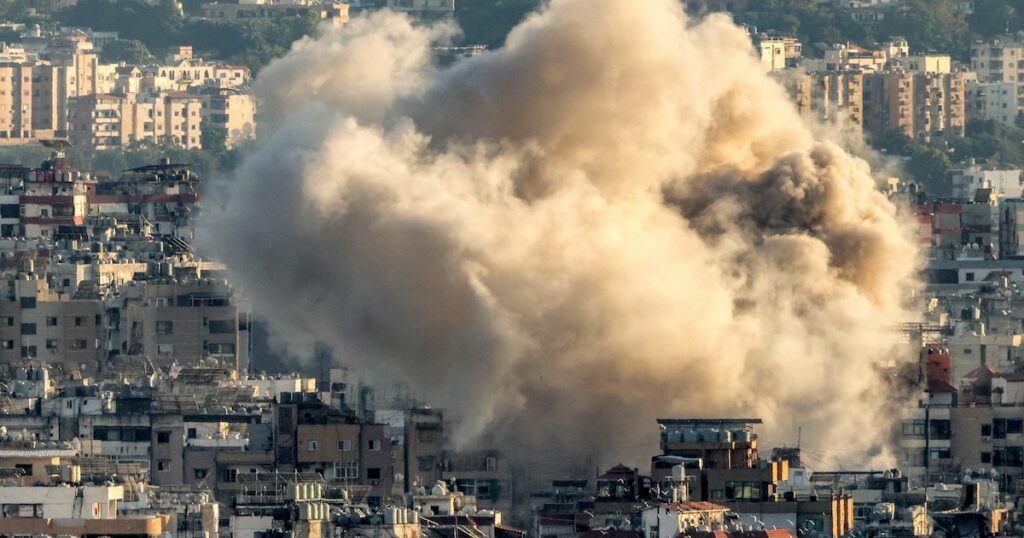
{"points": [[986, 439]]}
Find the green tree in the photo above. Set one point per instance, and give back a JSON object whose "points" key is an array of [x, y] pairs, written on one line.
{"points": [[989, 140], [995, 17], [214, 138], [930, 167], [929, 25], [130, 51]]}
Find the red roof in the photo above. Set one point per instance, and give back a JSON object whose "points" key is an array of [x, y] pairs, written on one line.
{"points": [[936, 386], [981, 375]]}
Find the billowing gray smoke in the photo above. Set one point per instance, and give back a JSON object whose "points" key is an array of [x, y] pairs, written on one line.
{"points": [[617, 216]]}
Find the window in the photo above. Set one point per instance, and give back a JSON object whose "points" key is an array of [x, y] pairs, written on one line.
{"points": [[374, 444], [1014, 426], [346, 470], [986, 457], [913, 428], [163, 437], [1012, 456], [28, 302], [940, 454], [163, 465], [199, 473], [999, 428], [80, 321], [192, 433], [29, 351], [220, 349], [222, 326], [427, 463], [345, 445], [8, 344], [939, 429], [314, 445], [78, 344], [164, 327], [28, 328], [229, 475], [373, 473], [51, 321], [743, 490], [52, 345], [10, 322], [986, 430]]}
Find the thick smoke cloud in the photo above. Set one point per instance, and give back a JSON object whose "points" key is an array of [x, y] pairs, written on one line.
{"points": [[617, 216]]}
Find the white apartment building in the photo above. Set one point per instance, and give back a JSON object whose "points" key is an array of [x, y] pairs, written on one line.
{"points": [[1004, 182], [992, 101]]}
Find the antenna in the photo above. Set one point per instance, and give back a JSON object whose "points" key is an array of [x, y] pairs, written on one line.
{"points": [[58, 145]]}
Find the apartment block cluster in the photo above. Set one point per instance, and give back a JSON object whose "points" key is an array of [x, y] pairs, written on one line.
{"points": [[964, 422], [887, 89], [53, 86], [128, 406], [873, 91], [202, 450], [711, 480]]}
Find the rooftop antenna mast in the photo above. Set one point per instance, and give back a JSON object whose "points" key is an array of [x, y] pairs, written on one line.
{"points": [[58, 145]]}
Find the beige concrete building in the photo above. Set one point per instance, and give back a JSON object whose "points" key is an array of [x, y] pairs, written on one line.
{"points": [[233, 111], [181, 71], [16, 100], [1001, 60], [54, 328], [330, 449], [183, 323], [778, 52], [921, 105], [105, 121]]}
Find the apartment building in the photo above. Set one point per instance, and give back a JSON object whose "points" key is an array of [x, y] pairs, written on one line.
{"points": [[182, 71], [993, 101], [778, 52], [1001, 60], [233, 111], [1011, 228], [184, 323], [38, 324], [15, 100], [842, 96], [920, 105], [423, 446], [105, 121]]}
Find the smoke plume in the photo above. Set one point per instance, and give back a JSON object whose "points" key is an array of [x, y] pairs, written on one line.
{"points": [[615, 217]]}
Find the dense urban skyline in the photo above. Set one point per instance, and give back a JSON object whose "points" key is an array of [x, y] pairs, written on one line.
{"points": [[561, 269]]}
